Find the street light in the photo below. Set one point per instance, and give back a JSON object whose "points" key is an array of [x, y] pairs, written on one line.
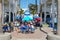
{"points": [[41, 12], [45, 11], [9, 10]]}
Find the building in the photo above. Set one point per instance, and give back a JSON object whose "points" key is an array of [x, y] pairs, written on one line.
{"points": [[48, 10], [9, 7]]}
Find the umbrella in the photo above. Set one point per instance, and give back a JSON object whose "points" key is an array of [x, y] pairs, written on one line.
{"points": [[31, 16], [26, 18], [38, 19], [36, 16]]}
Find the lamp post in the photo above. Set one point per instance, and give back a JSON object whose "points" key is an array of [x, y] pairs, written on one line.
{"points": [[41, 11], [13, 11], [36, 6], [9, 11], [45, 12], [40, 14]]}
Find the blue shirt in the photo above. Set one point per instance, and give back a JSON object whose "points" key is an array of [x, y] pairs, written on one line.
{"points": [[17, 16]]}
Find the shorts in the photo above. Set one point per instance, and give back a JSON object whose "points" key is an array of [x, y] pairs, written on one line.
{"points": [[5, 28]]}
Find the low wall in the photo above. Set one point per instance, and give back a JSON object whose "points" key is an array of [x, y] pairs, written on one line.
{"points": [[6, 36], [53, 37]]}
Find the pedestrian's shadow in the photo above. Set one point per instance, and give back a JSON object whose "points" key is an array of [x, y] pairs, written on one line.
{"points": [[43, 31]]}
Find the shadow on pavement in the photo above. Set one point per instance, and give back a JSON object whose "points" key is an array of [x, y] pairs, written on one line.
{"points": [[43, 31]]}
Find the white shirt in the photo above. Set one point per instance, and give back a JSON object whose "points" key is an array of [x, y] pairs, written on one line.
{"points": [[55, 20]]}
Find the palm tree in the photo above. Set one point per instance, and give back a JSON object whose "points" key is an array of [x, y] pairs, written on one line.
{"points": [[0, 1], [21, 11], [32, 8]]}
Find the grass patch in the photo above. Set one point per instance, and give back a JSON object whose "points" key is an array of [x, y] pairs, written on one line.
{"points": [[45, 25]]}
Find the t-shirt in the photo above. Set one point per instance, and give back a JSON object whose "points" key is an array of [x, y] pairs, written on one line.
{"points": [[28, 25], [55, 20], [16, 24], [32, 26], [31, 16], [22, 16], [17, 16], [36, 15]]}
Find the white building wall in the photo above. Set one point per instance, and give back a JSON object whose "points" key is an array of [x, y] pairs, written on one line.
{"points": [[13, 7], [10, 7], [48, 9]]}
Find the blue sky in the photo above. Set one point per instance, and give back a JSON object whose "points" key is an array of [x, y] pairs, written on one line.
{"points": [[23, 3]]}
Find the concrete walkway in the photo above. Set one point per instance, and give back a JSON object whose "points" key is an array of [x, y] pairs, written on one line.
{"points": [[38, 35]]}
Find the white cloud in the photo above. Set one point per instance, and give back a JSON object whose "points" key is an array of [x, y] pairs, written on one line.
{"points": [[25, 9]]}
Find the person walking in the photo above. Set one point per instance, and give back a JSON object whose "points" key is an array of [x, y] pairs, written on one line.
{"points": [[55, 25], [17, 17]]}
